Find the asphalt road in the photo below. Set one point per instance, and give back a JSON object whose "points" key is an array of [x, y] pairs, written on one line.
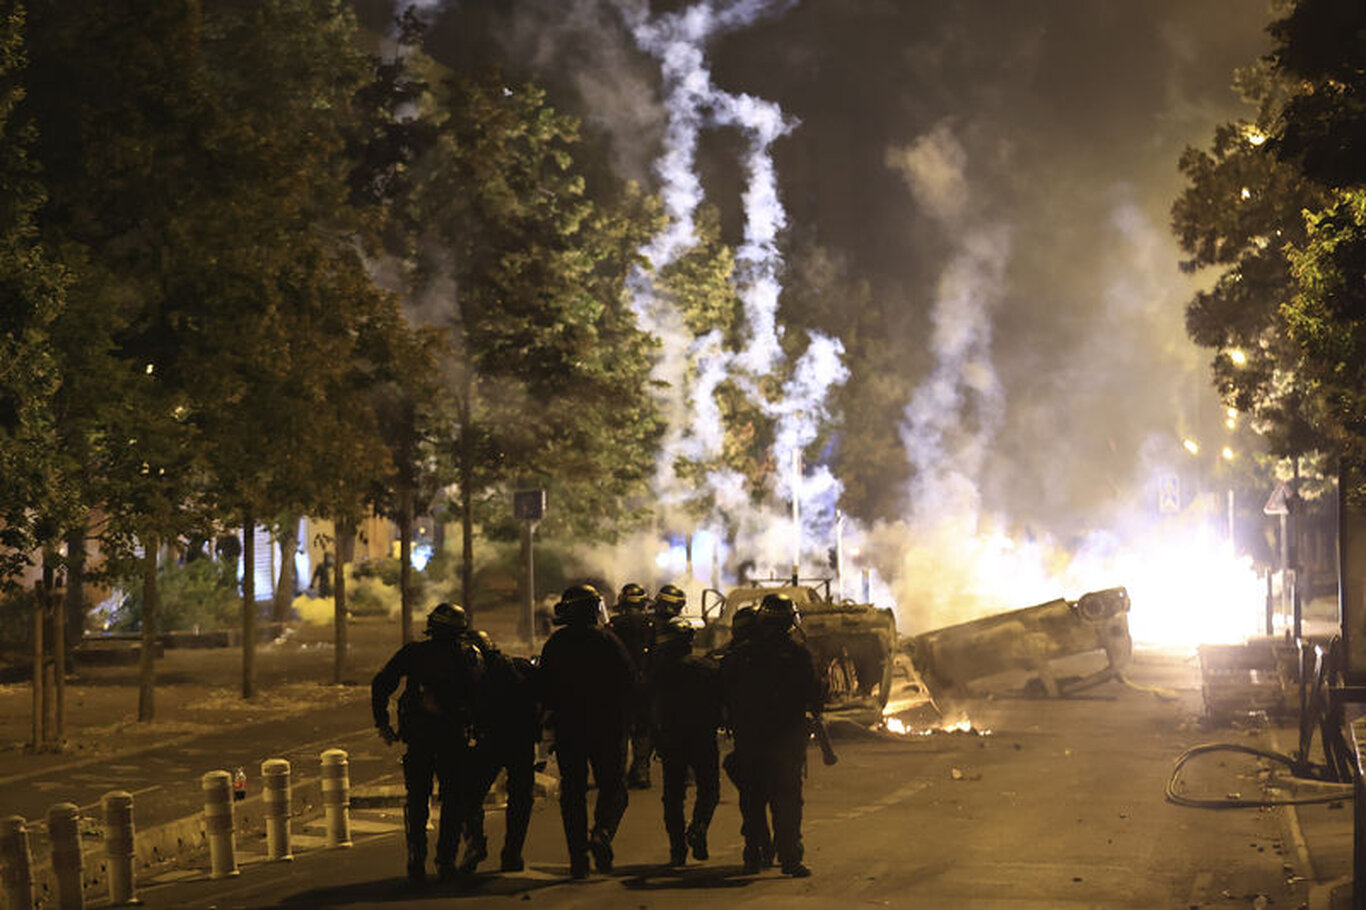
{"points": [[1060, 805]]}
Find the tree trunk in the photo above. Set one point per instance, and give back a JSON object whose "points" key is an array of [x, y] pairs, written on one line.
{"points": [[150, 603], [346, 530], [405, 563], [248, 607], [39, 668], [288, 581], [75, 585], [465, 477], [467, 549]]}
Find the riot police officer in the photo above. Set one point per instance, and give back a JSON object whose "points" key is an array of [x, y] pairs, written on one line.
{"points": [[669, 602], [507, 726], [685, 710], [435, 712], [586, 684], [770, 685], [636, 629]]}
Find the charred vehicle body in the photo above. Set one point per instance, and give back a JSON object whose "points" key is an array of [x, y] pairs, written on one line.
{"points": [[854, 644], [948, 659]]}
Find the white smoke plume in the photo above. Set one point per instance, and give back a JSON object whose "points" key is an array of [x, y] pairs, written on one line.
{"points": [[678, 41], [953, 416]]}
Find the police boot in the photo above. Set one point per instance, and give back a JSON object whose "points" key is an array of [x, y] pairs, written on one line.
{"points": [[697, 839], [476, 851], [417, 865], [600, 845], [511, 861], [754, 863], [639, 776], [678, 851]]}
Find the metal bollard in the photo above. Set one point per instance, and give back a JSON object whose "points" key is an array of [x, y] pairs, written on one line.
{"points": [[275, 793], [218, 823], [117, 806], [336, 797], [16, 863], [64, 838]]}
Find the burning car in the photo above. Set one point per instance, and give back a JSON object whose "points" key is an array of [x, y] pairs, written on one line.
{"points": [[1031, 639], [854, 644]]}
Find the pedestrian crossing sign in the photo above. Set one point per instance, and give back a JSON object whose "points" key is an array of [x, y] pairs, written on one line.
{"points": [[1168, 494]]}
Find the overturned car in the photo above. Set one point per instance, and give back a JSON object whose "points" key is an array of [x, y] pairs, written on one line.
{"points": [[854, 644], [1032, 640]]}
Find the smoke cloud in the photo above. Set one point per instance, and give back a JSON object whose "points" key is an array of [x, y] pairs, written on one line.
{"points": [[1001, 175]]}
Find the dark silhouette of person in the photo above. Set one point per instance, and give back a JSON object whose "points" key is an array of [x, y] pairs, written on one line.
{"points": [[586, 685], [684, 692], [322, 577], [435, 714], [507, 724], [636, 629], [769, 685]]}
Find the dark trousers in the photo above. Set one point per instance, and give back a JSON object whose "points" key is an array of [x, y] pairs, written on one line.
{"points": [[606, 755], [702, 757], [769, 778], [487, 760], [422, 763]]}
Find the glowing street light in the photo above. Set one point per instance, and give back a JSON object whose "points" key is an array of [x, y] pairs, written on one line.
{"points": [[1227, 453], [1238, 356], [1190, 445]]}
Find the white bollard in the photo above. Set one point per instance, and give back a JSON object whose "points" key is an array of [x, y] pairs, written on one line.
{"points": [[16, 863], [218, 823], [336, 797], [275, 793], [64, 841], [118, 846]]}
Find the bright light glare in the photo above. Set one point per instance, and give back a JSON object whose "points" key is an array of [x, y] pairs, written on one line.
{"points": [[1238, 357], [1189, 590], [1254, 136], [894, 725], [1227, 453], [1190, 445], [1245, 193]]}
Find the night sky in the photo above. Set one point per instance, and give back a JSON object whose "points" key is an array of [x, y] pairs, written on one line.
{"points": [[1027, 148]]}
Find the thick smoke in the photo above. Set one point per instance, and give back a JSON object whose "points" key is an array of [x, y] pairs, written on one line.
{"points": [[1001, 174], [693, 103]]}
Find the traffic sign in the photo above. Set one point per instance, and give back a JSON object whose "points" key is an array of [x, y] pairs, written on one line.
{"points": [[1168, 494], [1278, 503]]}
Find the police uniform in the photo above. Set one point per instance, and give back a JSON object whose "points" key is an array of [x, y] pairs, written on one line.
{"points": [[770, 684], [685, 709], [507, 728], [636, 629], [587, 682], [435, 712]]}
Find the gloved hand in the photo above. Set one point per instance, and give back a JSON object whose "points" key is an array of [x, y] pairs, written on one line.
{"points": [[387, 734]]}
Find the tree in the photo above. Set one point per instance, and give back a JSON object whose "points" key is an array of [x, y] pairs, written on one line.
{"points": [[549, 372], [276, 318], [1240, 209], [118, 136], [1321, 133], [33, 496], [1322, 128]]}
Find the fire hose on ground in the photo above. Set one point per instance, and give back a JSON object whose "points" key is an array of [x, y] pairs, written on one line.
{"points": [[1232, 802]]}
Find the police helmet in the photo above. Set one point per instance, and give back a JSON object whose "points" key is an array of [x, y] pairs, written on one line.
{"points": [[742, 624], [778, 613], [447, 619], [676, 634], [486, 643], [670, 600], [579, 605], [632, 597]]}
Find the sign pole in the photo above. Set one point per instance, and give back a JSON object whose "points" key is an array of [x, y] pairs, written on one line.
{"points": [[528, 507]]}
